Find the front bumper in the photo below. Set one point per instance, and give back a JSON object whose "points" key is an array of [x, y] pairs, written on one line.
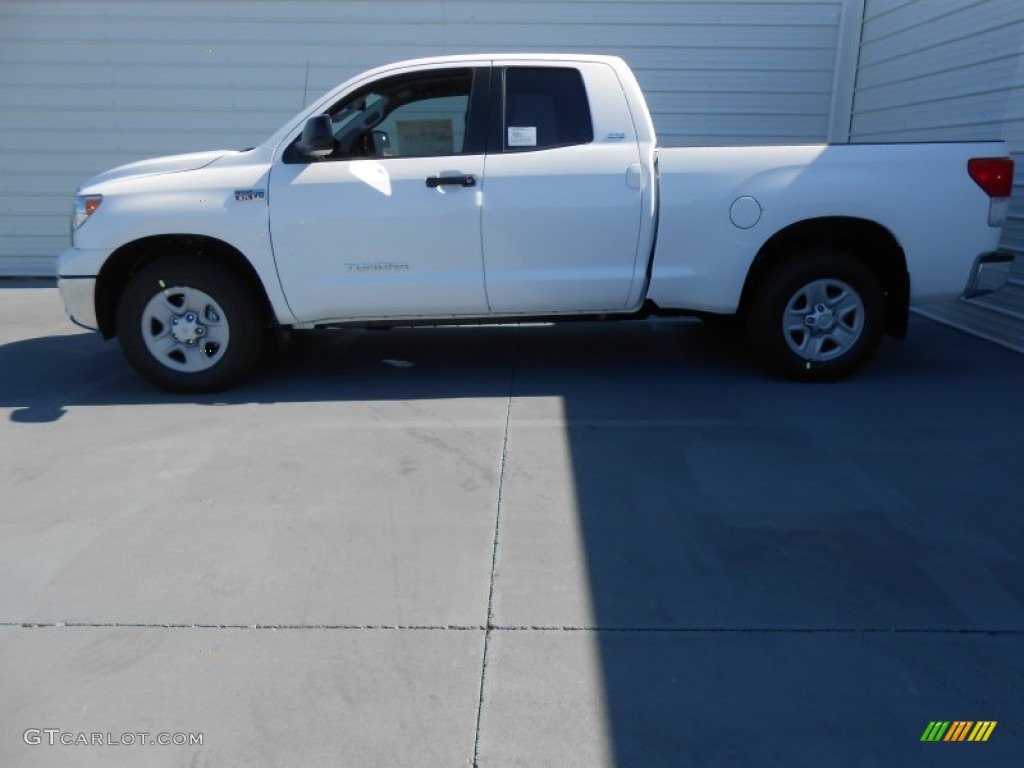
{"points": [[77, 269], [79, 297]]}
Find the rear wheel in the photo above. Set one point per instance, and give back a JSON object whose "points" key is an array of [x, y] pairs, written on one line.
{"points": [[817, 316], [188, 325]]}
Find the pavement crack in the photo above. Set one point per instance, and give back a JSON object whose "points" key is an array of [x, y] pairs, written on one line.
{"points": [[491, 628], [494, 551], [251, 627]]}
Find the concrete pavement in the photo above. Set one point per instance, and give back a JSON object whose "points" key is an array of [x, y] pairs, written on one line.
{"points": [[583, 545]]}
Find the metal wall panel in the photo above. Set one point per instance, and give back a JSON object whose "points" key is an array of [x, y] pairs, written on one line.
{"points": [[948, 70], [88, 85]]}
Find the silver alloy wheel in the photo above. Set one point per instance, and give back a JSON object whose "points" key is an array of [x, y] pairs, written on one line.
{"points": [[823, 320], [185, 329]]}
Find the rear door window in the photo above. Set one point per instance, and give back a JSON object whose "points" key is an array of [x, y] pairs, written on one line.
{"points": [[545, 107]]}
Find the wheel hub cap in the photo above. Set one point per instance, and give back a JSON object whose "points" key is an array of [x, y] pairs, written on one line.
{"points": [[186, 328], [821, 320]]}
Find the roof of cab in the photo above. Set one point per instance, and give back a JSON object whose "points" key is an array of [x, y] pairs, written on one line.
{"points": [[481, 57]]}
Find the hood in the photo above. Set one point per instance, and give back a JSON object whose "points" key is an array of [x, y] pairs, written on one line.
{"points": [[159, 165]]}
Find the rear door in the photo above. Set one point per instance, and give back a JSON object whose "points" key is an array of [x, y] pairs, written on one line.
{"points": [[562, 199]]}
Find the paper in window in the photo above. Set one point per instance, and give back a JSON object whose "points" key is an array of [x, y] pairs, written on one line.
{"points": [[522, 136]]}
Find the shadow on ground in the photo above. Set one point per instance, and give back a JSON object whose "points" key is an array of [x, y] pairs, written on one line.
{"points": [[791, 574]]}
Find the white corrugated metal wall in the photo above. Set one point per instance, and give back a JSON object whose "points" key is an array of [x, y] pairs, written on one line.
{"points": [[88, 85], [936, 70]]}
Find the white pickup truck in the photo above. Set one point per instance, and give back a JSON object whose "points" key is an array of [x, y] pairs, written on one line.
{"points": [[504, 188]]}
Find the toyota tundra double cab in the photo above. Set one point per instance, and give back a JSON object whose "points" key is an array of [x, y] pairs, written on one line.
{"points": [[506, 188]]}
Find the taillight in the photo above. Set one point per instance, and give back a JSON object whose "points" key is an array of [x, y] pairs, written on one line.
{"points": [[993, 174]]}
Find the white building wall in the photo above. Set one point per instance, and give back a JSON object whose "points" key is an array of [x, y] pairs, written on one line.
{"points": [[946, 70], [89, 84]]}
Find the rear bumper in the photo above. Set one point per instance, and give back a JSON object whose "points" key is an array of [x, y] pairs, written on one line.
{"points": [[79, 297], [980, 281]]}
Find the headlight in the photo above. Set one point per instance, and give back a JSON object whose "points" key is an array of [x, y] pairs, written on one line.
{"points": [[85, 206]]}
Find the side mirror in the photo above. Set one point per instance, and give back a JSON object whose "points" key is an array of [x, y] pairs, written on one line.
{"points": [[317, 139]]}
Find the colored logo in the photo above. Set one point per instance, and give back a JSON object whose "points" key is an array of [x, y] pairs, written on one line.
{"points": [[959, 730]]}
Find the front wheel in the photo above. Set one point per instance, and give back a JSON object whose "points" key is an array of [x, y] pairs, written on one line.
{"points": [[817, 316], [188, 325]]}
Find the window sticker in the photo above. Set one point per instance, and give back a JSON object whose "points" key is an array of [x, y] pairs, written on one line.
{"points": [[522, 136]]}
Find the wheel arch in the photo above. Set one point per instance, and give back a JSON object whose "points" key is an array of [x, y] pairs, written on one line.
{"points": [[124, 262], [865, 240]]}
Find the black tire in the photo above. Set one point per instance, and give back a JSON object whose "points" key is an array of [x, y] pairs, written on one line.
{"points": [[816, 340], [222, 317]]}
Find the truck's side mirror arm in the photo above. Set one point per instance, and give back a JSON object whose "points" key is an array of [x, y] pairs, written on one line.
{"points": [[317, 138]]}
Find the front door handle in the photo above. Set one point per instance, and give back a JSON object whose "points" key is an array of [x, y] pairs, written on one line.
{"points": [[469, 180]]}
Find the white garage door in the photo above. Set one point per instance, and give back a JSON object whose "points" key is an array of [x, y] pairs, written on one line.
{"points": [[951, 70], [88, 85]]}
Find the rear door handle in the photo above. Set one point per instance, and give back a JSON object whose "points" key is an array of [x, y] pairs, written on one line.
{"points": [[469, 180]]}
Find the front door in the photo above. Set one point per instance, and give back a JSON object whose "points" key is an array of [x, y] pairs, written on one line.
{"points": [[388, 224]]}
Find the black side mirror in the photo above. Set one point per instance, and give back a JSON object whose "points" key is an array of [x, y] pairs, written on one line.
{"points": [[317, 139]]}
